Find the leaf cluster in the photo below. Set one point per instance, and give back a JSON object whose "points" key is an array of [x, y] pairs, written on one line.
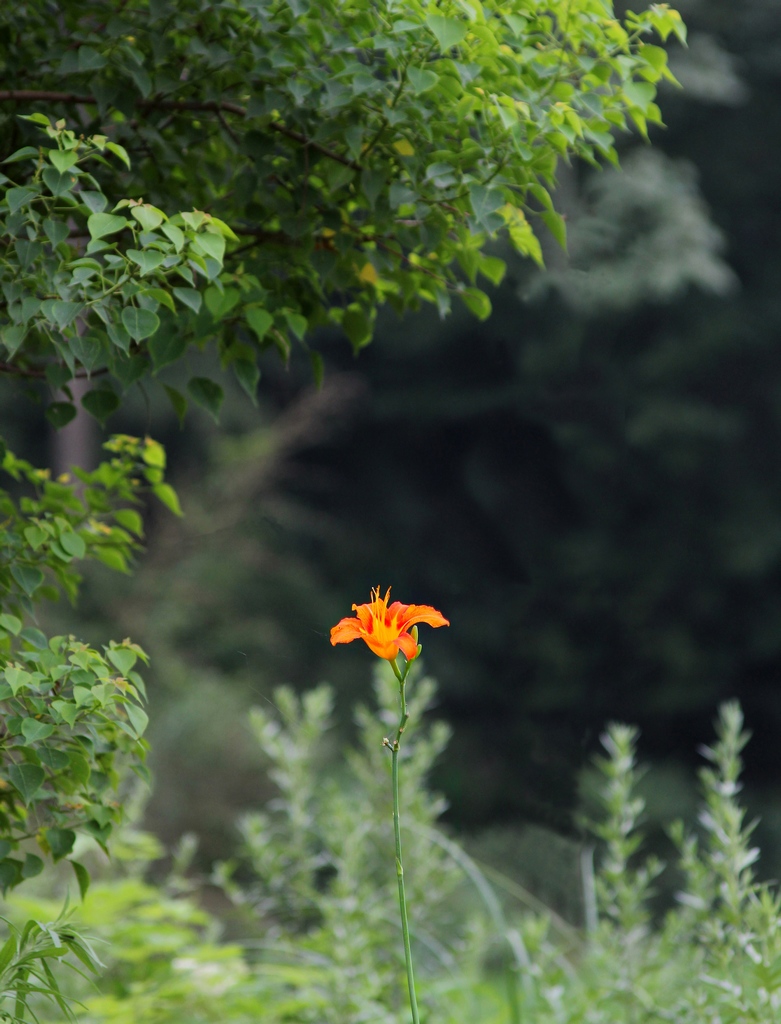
{"points": [[26, 976], [360, 154], [68, 711]]}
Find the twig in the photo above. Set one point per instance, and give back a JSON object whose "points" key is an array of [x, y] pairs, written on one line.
{"points": [[24, 95], [34, 373]]}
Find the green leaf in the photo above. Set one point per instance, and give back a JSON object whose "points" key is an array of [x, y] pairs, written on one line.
{"points": [[167, 495], [210, 245], [25, 153], [122, 659], [87, 349], [90, 60], [19, 197], [208, 394], [130, 520], [639, 94], [422, 80], [101, 224], [94, 201], [78, 768], [138, 718], [161, 296], [120, 151], [119, 337], [358, 328], [58, 183], [82, 877], [34, 730], [29, 577], [557, 226], [64, 313], [149, 217], [10, 873], [477, 302], [60, 841], [178, 401], [66, 710], [26, 779], [35, 536], [485, 203], [260, 320], [248, 375], [175, 235], [73, 544], [167, 347], [34, 637], [10, 623], [220, 302], [17, 678], [101, 403], [297, 323], [449, 31], [8, 952], [53, 758], [32, 866], [190, 297], [36, 119], [62, 160], [140, 323], [147, 259], [59, 414], [493, 268], [56, 231], [12, 336]]}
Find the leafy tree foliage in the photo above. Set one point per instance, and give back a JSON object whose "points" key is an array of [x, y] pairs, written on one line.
{"points": [[241, 174]]}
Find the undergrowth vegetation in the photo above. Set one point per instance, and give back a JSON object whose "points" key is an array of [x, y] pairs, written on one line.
{"points": [[301, 926]]}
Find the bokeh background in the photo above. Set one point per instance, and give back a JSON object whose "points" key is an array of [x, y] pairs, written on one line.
{"points": [[588, 485]]}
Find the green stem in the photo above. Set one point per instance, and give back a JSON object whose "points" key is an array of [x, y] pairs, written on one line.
{"points": [[402, 678]]}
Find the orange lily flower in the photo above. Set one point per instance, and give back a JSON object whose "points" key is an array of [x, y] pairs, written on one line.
{"points": [[385, 628]]}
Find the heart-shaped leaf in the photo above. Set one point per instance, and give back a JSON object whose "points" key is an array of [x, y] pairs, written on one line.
{"points": [[59, 414], [147, 259], [101, 224], [26, 779], [100, 403], [449, 31], [140, 323], [29, 577], [207, 394], [210, 245]]}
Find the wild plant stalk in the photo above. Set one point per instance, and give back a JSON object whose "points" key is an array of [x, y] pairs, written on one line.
{"points": [[395, 745], [387, 630]]}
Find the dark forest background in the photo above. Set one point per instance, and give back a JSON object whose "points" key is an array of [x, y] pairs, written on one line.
{"points": [[588, 485]]}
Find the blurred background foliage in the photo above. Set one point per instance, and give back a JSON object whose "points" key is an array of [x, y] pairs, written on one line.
{"points": [[588, 485]]}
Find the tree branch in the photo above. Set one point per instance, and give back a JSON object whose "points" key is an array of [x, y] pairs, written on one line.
{"points": [[27, 95], [35, 373]]}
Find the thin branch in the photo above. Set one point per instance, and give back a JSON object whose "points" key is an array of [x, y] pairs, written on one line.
{"points": [[26, 95], [35, 373]]}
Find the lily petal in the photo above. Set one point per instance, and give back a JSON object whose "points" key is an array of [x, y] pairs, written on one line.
{"points": [[408, 646], [422, 613], [346, 630]]}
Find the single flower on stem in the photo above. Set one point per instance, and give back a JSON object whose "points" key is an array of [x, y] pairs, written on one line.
{"points": [[386, 631], [385, 628]]}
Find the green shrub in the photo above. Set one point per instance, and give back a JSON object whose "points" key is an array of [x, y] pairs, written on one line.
{"points": [[316, 936]]}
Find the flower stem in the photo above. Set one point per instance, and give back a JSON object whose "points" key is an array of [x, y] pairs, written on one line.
{"points": [[402, 678]]}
